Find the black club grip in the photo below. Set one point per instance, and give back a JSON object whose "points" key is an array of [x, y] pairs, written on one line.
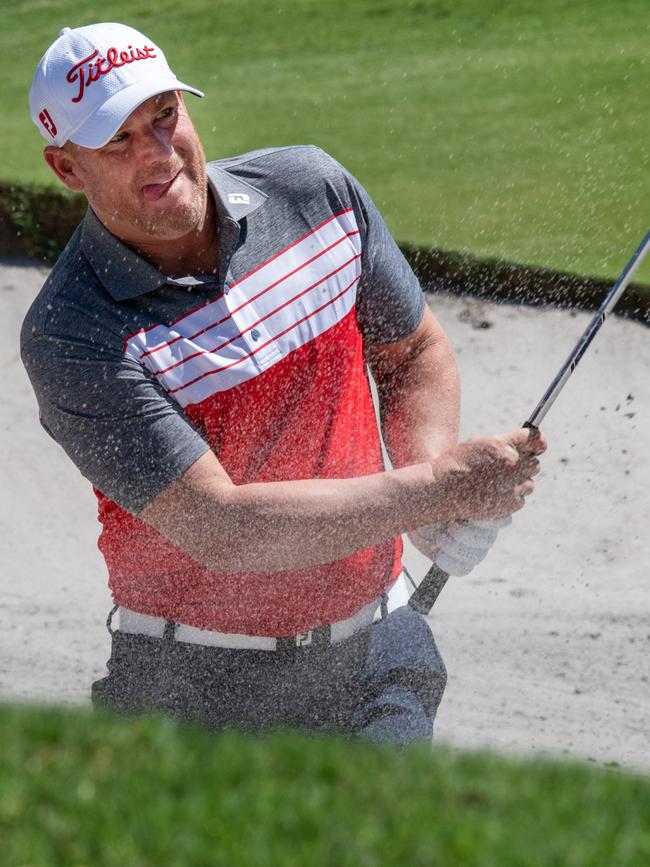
{"points": [[423, 599]]}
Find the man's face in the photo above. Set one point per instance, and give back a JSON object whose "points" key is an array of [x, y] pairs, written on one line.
{"points": [[148, 183]]}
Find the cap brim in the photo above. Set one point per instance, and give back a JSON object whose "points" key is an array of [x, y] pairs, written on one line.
{"points": [[101, 126]]}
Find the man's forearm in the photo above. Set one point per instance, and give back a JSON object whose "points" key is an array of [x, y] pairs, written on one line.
{"points": [[273, 526], [305, 523]]}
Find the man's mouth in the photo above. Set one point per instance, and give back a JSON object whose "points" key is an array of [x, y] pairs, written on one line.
{"points": [[152, 192]]}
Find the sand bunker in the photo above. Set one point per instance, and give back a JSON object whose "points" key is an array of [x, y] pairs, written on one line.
{"points": [[547, 643]]}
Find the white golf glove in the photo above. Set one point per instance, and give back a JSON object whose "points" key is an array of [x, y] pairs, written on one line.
{"points": [[457, 548]]}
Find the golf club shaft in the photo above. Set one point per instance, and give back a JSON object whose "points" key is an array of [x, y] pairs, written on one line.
{"points": [[424, 598], [588, 335]]}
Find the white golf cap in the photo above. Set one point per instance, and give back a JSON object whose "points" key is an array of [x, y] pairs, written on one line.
{"points": [[90, 80]]}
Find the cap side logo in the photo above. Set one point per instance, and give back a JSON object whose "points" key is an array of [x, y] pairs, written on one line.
{"points": [[90, 69], [46, 119]]}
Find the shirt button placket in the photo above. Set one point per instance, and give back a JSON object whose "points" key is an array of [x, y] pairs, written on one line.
{"points": [[257, 338]]}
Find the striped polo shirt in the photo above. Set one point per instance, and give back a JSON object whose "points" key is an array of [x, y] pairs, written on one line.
{"points": [[137, 375]]}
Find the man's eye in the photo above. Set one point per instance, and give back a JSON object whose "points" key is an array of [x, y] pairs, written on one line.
{"points": [[167, 113], [120, 137]]}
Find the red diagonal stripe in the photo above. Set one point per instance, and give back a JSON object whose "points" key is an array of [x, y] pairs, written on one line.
{"points": [[293, 244], [259, 348], [250, 327], [248, 300], [253, 271]]}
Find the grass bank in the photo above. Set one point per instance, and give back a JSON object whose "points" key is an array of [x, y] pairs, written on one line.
{"points": [[514, 131], [79, 789]]}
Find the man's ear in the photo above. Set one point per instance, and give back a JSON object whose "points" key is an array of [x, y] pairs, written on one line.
{"points": [[64, 167]]}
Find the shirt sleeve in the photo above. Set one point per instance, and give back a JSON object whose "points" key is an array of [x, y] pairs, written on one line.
{"points": [[390, 301], [119, 427]]}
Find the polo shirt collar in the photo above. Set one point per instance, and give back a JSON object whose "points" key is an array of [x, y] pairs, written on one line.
{"points": [[124, 273], [234, 198], [119, 268]]}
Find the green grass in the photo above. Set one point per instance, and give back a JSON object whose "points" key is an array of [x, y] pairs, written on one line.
{"points": [[82, 790], [515, 130]]}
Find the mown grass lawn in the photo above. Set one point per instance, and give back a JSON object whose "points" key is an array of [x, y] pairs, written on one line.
{"points": [[81, 789], [515, 130]]}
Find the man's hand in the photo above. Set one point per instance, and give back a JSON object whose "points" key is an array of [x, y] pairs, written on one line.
{"points": [[483, 481], [487, 477], [457, 548]]}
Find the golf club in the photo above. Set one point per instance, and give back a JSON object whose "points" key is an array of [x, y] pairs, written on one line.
{"points": [[424, 598]]}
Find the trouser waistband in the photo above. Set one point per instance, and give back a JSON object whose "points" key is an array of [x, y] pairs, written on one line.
{"points": [[157, 627]]}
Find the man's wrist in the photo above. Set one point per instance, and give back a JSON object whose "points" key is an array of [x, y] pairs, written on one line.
{"points": [[425, 450], [422, 491]]}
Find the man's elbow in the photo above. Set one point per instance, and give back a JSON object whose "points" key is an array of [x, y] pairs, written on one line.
{"points": [[199, 521]]}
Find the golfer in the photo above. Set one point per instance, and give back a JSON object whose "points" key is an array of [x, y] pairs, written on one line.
{"points": [[201, 351]]}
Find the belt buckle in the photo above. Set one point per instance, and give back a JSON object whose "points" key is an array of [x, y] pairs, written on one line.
{"points": [[311, 639]]}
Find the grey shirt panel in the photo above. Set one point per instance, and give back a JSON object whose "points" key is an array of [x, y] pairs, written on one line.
{"points": [[119, 426], [390, 301]]}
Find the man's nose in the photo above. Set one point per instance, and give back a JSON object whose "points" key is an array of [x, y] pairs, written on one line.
{"points": [[156, 144]]}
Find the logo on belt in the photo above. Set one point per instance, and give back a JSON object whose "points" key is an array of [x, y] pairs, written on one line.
{"points": [[304, 638]]}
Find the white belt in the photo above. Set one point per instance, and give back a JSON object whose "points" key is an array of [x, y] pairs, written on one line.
{"points": [[143, 624]]}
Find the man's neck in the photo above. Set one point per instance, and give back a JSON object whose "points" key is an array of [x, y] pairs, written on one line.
{"points": [[195, 254]]}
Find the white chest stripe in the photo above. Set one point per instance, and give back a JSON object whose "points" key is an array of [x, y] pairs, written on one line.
{"points": [[281, 305]]}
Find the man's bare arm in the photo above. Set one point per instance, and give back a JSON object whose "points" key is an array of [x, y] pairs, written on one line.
{"points": [[283, 525], [419, 393], [273, 526]]}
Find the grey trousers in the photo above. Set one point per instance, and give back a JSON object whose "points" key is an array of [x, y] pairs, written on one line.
{"points": [[384, 684]]}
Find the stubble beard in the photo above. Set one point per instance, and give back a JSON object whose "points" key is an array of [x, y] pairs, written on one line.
{"points": [[165, 223]]}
